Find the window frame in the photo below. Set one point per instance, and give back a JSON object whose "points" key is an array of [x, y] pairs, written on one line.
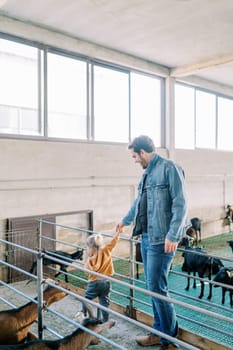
{"points": [[217, 96], [19, 40], [43, 50]]}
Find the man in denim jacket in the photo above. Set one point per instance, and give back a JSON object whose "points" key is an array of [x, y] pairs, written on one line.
{"points": [[159, 215]]}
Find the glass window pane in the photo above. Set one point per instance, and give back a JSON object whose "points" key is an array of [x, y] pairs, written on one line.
{"points": [[19, 89], [205, 120], [146, 107], [184, 117], [67, 97], [225, 123], [111, 105]]}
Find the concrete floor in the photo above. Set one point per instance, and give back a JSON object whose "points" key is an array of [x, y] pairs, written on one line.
{"points": [[123, 333]]}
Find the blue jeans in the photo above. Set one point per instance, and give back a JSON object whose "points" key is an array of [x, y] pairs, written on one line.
{"points": [[156, 269], [100, 289]]}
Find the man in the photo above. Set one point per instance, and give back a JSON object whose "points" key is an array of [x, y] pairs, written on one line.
{"points": [[158, 214]]}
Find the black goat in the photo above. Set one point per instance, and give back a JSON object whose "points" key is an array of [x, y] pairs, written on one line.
{"points": [[78, 254], [225, 276], [138, 257], [230, 244], [189, 239], [203, 265], [228, 219], [229, 213], [196, 225]]}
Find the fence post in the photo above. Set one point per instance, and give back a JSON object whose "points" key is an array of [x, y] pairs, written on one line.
{"points": [[39, 282], [130, 309]]}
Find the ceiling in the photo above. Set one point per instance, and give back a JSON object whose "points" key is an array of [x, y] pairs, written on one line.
{"points": [[190, 37]]}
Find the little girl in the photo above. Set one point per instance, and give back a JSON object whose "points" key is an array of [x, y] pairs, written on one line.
{"points": [[100, 260]]}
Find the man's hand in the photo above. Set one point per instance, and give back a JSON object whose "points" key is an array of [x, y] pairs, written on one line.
{"points": [[170, 246]]}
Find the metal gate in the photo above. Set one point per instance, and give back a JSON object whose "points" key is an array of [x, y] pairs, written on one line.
{"points": [[23, 231]]}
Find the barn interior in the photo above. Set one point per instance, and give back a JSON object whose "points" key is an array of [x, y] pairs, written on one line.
{"points": [[89, 182]]}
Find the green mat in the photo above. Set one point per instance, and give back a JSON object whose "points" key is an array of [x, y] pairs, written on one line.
{"points": [[190, 320]]}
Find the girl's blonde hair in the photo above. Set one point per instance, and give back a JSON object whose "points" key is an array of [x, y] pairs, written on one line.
{"points": [[95, 241]]}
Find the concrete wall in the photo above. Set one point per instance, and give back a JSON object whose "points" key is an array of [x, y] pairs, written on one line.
{"points": [[209, 178], [40, 177]]}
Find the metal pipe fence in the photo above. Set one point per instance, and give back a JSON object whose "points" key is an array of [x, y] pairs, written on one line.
{"points": [[128, 282]]}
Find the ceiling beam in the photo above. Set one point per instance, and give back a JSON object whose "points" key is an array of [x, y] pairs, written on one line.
{"points": [[200, 66]]}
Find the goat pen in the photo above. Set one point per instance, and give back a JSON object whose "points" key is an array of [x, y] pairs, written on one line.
{"points": [[130, 302]]}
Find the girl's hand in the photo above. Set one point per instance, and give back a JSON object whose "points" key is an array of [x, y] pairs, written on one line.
{"points": [[119, 227]]}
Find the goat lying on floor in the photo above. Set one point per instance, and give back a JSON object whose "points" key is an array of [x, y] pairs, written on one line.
{"points": [[15, 323], [78, 340], [78, 254]]}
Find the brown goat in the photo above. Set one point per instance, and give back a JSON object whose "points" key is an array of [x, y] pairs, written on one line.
{"points": [[78, 340], [15, 323]]}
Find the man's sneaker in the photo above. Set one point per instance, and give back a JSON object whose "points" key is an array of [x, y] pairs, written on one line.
{"points": [[148, 340]]}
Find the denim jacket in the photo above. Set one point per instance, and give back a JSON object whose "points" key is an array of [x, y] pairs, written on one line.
{"points": [[166, 202]]}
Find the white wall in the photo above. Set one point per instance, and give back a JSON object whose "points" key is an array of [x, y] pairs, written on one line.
{"points": [[39, 177], [209, 177]]}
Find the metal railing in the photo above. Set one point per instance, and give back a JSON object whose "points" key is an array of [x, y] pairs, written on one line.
{"points": [[130, 288]]}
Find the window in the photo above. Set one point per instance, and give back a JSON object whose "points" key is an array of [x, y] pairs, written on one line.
{"points": [[205, 120], [19, 86], [184, 117], [225, 123], [145, 107], [111, 105], [199, 123], [50, 93], [67, 97]]}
